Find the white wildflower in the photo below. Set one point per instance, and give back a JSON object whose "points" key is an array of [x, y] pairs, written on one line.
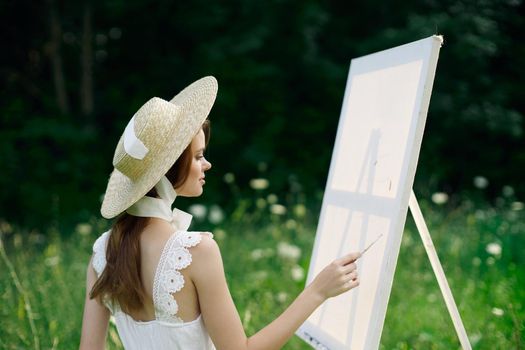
{"points": [[431, 297], [497, 311], [290, 224], [115, 33], [83, 229], [17, 240], [101, 55], [425, 337], [494, 249], [281, 297], [262, 166], [278, 209], [299, 210], [229, 178], [216, 214], [260, 203], [37, 238], [480, 215], [288, 251], [508, 191], [247, 318], [259, 184], [475, 338], [101, 39], [52, 261], [198, 211], [517, 206], [297, 273], [260, 275], [219, 234], [481, 182], [257, 254], [5, 227], [260, 253], [440, 198], [272, 198]]}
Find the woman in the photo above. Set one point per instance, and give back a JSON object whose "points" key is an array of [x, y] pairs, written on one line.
{"points": [[166, 286]]}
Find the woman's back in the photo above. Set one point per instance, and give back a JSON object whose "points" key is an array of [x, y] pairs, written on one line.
{"points": [[153, 240], [170, 315]]}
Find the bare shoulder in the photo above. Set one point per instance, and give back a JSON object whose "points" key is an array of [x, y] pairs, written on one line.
{"points": [[206, 258], [206, 249]]}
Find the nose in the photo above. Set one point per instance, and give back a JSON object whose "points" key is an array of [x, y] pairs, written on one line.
{"points": [[206, 165]]}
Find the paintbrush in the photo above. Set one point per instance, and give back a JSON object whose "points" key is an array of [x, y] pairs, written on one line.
{"points": [[371, 244]]}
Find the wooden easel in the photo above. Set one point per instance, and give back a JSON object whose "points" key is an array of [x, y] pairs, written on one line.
{"points": [[438, 271]]}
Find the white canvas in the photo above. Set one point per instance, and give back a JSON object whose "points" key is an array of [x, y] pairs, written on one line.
{"points": [[368, 188]]}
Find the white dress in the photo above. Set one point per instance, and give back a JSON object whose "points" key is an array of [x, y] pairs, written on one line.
{"points": [[167, 331]]}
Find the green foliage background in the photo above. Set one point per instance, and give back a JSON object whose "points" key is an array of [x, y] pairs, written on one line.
{"points": [[42, 277], [281, 67]]}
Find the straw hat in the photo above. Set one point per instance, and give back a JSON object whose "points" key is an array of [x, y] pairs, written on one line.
{"points": [[153, 140]]}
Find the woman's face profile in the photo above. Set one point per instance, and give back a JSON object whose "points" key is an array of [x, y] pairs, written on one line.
{"points": [[193, 186]]}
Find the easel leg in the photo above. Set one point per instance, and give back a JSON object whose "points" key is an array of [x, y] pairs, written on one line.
{"points": [[438, 271]]}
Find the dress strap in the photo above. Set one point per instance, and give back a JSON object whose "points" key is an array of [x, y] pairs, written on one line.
{"points": [[168, 279]]}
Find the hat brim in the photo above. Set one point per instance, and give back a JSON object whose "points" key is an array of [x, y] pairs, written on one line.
{"points": [[195, 103]]}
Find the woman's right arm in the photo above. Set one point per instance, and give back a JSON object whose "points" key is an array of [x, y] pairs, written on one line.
{"points": [[222, 319]]}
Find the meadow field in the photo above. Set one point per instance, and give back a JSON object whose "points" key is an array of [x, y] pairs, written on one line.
{"points": [[266, 248]]}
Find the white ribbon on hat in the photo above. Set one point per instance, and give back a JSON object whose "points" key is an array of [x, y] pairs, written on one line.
{"points": [[132, 145], [161, 207]]}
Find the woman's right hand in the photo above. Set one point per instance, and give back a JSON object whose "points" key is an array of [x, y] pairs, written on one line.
{"points": [[338, 277]]}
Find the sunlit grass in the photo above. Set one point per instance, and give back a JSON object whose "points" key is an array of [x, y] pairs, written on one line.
{"points": [[266, 256]]}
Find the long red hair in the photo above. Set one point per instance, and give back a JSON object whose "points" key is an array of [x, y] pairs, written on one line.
{"points": [[120, 282]]}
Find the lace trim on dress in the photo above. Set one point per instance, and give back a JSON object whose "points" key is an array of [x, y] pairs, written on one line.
{"points": [[168, 280]]}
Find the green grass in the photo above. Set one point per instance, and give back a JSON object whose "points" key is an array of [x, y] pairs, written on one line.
{"points": [[42, 277]]}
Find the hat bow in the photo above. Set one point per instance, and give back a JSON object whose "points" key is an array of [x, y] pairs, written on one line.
{"points": [[161, 207]]}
